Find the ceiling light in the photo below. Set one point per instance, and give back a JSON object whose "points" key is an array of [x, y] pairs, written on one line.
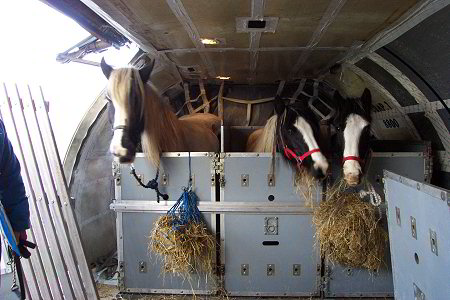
{"points": [[223, 77], [210, 41]]}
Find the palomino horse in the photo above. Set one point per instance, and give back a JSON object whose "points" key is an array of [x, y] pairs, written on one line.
{"points": [[352, 126], [294, 131], [138, 113]]}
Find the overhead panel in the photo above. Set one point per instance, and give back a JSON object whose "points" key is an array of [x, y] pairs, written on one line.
{"points": [[275, 65], [155, 21], [359, 20], [217, 20], [297, 21], [234, 64]]}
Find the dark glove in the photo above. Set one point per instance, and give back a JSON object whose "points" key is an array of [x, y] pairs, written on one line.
{"points": [[24, 244]]}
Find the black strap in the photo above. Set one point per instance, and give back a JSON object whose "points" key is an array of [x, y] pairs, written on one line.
{"points": [[152, 184], [19, 275]]}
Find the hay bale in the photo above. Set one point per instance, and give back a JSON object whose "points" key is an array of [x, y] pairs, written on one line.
{"points": [[349, 231], [188, 250], [305, 186]]}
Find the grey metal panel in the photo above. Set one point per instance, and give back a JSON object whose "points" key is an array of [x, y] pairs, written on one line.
{"points": [[351, 282], [413, 166], [136, 228], [176, 168], [345, 282], [414, 263], [244, 235], [257, 166]]}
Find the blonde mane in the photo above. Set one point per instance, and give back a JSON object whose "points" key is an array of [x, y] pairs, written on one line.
{"points": [[161, 126], [265, 142]]}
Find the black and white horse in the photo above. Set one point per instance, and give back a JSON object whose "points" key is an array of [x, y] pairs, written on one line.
{"points": [[351, 122], [295, 132]]}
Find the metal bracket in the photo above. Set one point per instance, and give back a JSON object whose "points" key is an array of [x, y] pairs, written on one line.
{"points": [[165, 179], [217, 165], [397, 216], [271, 225], [270, 270], [213, 179], [116, 172], [245, 269], [413, 227], [245, 180], [270, 179], [433, 242], [418, 294], [296, 269], [142, 267], [120, 276]]}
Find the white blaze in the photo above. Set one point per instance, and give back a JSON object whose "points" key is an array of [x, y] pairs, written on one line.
{"points": [[116, 147], [318, 158], [352, 133]]}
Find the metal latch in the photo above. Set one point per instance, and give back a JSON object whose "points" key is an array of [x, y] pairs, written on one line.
{"points": [[116, 172], [270, 270], [271, 225], [245, 269]]}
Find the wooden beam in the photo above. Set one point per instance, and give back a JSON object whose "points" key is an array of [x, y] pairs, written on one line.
{"points": [[187, 97], [416, 14], [204, 98], [181, 14], [327, 19]]}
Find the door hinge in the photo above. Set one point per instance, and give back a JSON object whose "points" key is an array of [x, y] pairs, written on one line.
{"points": [[116, 172], [218, 167]]}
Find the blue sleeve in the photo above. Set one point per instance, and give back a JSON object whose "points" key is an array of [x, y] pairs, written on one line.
{"points": [[12, 189]]}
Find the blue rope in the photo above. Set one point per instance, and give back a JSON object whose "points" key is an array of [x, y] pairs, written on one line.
{"points": [[185, 210]]}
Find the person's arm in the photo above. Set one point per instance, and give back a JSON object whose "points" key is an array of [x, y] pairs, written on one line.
{"points": [[13, 196]]}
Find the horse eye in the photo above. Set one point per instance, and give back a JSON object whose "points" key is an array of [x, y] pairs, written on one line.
{"points": [[289, 131]]}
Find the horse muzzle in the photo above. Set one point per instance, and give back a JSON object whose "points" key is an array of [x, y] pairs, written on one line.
{"points": [[352, 172]]}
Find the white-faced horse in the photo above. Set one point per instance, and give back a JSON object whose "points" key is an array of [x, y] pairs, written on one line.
{"points": [[139, 114], [352, 126], [295, 132]]}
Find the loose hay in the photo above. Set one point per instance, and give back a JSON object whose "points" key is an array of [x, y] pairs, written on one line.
{"points": [[191, 249], [349, 231], [306, 186]]}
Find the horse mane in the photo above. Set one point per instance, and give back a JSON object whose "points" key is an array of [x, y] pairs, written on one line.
{"points": [[266, 141], [161, 126]]}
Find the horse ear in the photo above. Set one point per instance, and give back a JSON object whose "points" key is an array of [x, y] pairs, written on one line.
{"points": [[106, 69], [279, 105], [366, 100], [146, 71]]}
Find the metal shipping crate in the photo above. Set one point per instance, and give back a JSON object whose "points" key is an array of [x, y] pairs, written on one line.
{"points": [[267, 238], [349, 282], [137, 210], [419, 223]]}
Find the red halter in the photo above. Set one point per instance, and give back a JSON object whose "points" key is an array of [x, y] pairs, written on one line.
{"points": [[350, 157], [292, 155]]}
